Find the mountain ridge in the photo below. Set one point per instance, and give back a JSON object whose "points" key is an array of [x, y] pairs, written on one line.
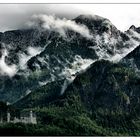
{"points": [[44, 55]]}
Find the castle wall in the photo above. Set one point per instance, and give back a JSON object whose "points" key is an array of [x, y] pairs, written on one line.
{"points": [[31, 119]]}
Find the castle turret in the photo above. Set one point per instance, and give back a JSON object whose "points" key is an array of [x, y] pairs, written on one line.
{"points": [[32, 118], [8, 117], [31, 115]]}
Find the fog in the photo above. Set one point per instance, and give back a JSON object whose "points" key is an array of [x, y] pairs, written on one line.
{"points": [[14, 16]]}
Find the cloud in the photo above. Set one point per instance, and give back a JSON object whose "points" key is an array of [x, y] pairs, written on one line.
{"points": [[53, 23], [21, 13], [121, 15], [23, 58], [5, 69]]}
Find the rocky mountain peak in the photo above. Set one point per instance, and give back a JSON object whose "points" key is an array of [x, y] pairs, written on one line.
{"points": [[132, 27]]}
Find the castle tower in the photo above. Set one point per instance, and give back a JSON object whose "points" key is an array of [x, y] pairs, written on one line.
{"points": [[8, 117], [32, 119], [31, 116]]}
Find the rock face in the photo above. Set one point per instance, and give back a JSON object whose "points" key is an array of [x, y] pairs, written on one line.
{"points": [[39, 55], [107, 85], [104, 85], [132, 60]]}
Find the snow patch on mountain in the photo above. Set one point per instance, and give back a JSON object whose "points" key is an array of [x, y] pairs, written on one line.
{"points": [[42, 83], [78, 65], [106, 42], [31, 52], [130, 46], [123, 52]]}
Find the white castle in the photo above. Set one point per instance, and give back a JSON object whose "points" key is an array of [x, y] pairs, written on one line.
{"points": [[30, 119]]}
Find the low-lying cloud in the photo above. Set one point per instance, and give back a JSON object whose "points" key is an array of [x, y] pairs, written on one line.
{"points": [[23, 58], [53, 23], [5, 69]]}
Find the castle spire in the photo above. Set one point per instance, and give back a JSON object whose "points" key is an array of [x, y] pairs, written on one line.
{"points": [[31, 116], [8, 117]]}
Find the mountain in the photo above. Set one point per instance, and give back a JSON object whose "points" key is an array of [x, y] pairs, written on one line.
{"points": [[104, 84], [40, 54], [80, 76], [102, 101], [132, 59]]}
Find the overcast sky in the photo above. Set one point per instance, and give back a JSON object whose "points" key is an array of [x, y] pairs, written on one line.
{"points": [[14, 16]]}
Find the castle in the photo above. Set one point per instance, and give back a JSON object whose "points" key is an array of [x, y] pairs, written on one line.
{"points": [[30, 119]]}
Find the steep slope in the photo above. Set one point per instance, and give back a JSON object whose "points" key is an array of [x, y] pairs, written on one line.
{"points": [[103, 100], [41, 96], [133, 59], [104, 84]]}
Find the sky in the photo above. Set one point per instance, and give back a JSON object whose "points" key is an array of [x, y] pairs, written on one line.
{"points": [[15, 16]]}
